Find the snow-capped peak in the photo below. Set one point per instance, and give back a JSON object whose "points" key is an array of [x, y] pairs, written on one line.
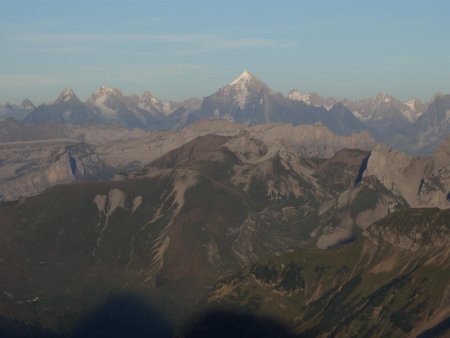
{"points": [[296, 95], [108, 91], [312, 99], [107, 101], [412, 103], [148, 101], [383, 98], [66, 95], [147, 96], [414, 110], [246, 76], [104, 92]]}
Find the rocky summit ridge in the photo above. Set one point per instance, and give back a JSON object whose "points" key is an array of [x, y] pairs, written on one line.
{"points": [[409, 125]]}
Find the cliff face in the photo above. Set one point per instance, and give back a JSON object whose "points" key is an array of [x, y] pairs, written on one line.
{"points": [[422, 182], [30, 168]]}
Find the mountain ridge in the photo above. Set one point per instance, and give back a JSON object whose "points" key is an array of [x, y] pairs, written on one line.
{"points": [[410, 126]]}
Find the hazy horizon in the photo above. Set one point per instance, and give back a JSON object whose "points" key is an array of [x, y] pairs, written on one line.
{"points": [[180, 50]]}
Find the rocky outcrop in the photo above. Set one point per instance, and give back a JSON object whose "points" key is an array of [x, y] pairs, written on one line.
{"points": [[29, 168], [434, 125], [422, 181]]}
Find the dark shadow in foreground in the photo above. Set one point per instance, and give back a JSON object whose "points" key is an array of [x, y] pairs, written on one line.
{"points": [[438, 330], [233, 324], [12, 328], [129, 315], [120, 315], [124, 316]]}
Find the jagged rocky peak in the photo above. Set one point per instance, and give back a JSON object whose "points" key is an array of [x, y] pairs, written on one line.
{"points": [[414, 104], [105, 99], [415, 109], [67, 95], [245, 77], [383, 98], [312, 99], [104, 92], [247, 82], [440, 102], [148, 101], [27, 104], [296, 94], [148, 96], [245, 93]]}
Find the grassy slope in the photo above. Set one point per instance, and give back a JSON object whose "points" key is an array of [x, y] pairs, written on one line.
{"points": [[360, 289]]}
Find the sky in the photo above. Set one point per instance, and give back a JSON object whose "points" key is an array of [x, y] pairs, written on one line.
{"points": [[178, 49]]}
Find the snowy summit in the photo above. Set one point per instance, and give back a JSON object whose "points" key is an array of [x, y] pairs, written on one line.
{"points": [[246, 76], [66, 95]]}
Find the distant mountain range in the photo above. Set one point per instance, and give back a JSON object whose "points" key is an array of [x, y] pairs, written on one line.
{"points": [[410, 126], [16, 111]]}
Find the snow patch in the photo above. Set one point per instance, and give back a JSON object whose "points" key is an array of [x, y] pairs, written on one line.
{"points": [[67, 95], [298, 96], [412, 111], [107, 112], [361, 116], [411, 104], [244, 77]]}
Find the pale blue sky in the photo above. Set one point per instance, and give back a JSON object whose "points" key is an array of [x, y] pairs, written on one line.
{"points": [[179, 49]]}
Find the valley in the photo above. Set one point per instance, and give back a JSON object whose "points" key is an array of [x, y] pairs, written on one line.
{"points": [[295, 209]]}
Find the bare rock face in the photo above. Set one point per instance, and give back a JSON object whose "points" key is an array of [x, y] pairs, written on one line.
{"points": [[247, 148], [311, 140], [29, 168], [422, 182], [355, 208], [307, 140], [434, 125]]}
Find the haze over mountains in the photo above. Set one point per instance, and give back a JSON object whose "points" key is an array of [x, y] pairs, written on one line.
{"points": [[301, 209], [410, 126]]}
